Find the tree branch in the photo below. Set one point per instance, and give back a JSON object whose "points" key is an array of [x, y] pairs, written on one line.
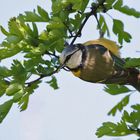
{"points": [[80, 29], [69, 30], [92, 12], [41, 77], [51, 54]]}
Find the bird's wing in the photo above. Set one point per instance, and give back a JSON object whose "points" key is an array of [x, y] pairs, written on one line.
{"points": [[118, 62], [113, 48], [110, 45]]}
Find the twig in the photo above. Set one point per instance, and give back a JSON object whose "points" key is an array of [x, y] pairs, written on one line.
{"points": [[51, 54], [70, 32], [41, 77], [80, 30], [88, 15]]}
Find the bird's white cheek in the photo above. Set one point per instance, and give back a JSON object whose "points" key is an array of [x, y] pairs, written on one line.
{"points": [[75, 60]]}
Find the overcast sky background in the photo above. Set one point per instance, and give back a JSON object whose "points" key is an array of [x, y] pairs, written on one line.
{"points": [[78, 108]]}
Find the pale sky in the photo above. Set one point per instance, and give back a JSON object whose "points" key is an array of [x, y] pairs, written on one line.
{"points": [[77, 108]]}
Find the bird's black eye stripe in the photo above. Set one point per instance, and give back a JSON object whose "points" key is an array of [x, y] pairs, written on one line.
{"points": [[69, 56]]}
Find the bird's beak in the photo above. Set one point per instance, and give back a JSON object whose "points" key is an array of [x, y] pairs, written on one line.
{"points": [[61, 67]]}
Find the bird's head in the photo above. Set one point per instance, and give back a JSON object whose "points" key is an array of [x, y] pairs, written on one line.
{"points": [[71, 56]]}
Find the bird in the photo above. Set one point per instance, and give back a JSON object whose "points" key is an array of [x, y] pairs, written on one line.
{"points": [[99, 61]]}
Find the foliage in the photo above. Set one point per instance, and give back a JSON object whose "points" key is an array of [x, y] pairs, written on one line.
{"points": [[128, 124], [119, 106], [39, 52]]}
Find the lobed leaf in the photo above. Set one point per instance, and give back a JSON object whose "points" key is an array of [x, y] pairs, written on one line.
{"points": [[4, 31], [18, 95], [18, 68], [129, 124], [34, 17], [133, 118], [125, 9], [53, 83], [13, 88], [43, 13], [3, 86], [103, 24], [114, 89], [4, 109], [4, 71], [132, 63], [119, 106], [112, 129], [23, 103], [15, 28], [118, 29]]}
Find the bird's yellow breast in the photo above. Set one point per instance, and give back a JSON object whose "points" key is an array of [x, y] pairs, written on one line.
{"points": [[77, 73]]}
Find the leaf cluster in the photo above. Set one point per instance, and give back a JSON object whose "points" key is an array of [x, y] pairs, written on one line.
{"points": [[129, 124], [37, 50], [34, 54]]}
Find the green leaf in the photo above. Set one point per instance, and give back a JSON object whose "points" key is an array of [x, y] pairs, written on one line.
{"points": [[84, 5], [58, 45], [53, 83], [30, 64], [55, 23], [43, 13], [35, 30], [32, 17], [76, 21], [127, 37], [133, 119], [103, 24], [132, 63], [31, 87], [130, 11], [136, 107], [43, 35], [118, 29], [7, 52], [114, 89], [13, 39], [15, 27], [119, 106], [118, 4], [77, 5], [24, 100], [112, 129], [109, 4], [18, 96], [44, 70], [13, 88], [23, 103], [129, 124], [3, 86], [4, 109], [125, 9], [4, 71], [17, 68], [4, 31]]}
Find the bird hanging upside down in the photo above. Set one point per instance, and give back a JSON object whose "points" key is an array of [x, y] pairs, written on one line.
{"points": [[98, 61]]}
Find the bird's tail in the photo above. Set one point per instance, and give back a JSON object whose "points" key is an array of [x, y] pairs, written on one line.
{"points": [[134, 78], [124, 76], [129, 76]]}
